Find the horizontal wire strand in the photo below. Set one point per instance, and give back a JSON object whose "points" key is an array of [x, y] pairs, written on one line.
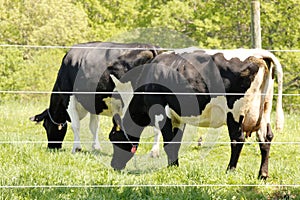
{"points": [[83, 47], [141, 142], [138, 93], [116, 48]]}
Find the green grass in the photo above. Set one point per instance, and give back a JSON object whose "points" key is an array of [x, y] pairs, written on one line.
{"points": [[30, 171]]}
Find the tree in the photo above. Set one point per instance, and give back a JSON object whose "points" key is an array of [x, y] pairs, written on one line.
{"points": [[46, 22], [219, 24]]}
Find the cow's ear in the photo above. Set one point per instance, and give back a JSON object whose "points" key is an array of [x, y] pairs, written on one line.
{"points": [[40, 117]]}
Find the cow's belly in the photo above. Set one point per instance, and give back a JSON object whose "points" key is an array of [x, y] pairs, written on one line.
{"points": [[76, 109], [214, 115], [114, 106]]}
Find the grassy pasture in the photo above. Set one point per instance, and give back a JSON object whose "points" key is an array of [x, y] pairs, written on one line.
{"points": [[30, 171]]}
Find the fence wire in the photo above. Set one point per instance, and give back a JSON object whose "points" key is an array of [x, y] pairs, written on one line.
{"points": [[141, 142], [138, 93], [106, 48]]}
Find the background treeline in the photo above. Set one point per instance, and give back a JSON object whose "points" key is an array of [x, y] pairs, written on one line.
{"points": [[217, 24]]}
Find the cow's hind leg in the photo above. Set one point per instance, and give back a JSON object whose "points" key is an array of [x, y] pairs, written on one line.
{"points": [[172, 141], [265, 135], [237, 140], [264, 145]]}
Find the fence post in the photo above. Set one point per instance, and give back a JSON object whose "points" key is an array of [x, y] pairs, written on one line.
{"points": [[255, 24]]}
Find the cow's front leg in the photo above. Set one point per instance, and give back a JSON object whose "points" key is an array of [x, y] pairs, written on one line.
{"points": [[154, 153], [237, 139], [76, 130], [94, 128], [75, 123], [172, 141], [264, 145]]}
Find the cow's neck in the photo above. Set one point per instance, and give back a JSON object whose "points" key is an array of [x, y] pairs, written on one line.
{"points": [[58, 108]]}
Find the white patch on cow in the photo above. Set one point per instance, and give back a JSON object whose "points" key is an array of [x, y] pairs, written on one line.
{"points": [[113, 106], [154, 153], [76, 109], [214, 115], [186, 50], [126, 92], [158, 118], [77, 112], [241, 54], [74, 114], [237, 109], [254, 100]]}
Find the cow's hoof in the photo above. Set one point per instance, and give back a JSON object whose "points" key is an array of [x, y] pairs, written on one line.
{"points": [[77, 149], [174, 163], [117, 166], [230, 169], [96, 147], [263, 176], [200, 142], [154, 154]]}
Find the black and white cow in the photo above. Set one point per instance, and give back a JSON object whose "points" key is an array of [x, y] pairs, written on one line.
{"points": [[85, 70], [201, 88]]}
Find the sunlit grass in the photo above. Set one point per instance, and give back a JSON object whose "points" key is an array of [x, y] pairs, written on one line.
{"points": [[30, 171]]}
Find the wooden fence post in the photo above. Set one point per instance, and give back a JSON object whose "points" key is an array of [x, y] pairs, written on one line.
{"points": [[255, 24]]}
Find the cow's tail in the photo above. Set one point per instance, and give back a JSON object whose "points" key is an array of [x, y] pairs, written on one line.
{"points": [[279, 109], [279, 72]]}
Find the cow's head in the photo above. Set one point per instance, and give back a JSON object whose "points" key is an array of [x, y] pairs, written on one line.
{"points": [[55, 125], [124, 145]]}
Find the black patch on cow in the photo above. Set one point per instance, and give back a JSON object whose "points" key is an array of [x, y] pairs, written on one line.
{"points": [[237, 75]]}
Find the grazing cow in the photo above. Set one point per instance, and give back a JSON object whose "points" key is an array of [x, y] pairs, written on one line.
{"points": [[85, 70], [201, 88]]}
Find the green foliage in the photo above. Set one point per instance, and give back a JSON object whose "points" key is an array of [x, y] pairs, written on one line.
{"points": [[280, 19], [11, 60], [42, 23], [109, 17], [163, 37], [28, 70], [216, 24]]}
